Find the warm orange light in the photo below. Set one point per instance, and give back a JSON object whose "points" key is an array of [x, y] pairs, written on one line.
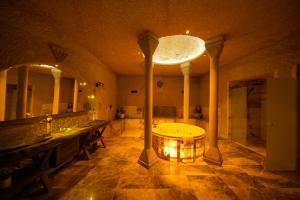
{"points": [[44, 66], [178, 141], [177, 49], [91, 96], [170, 148], [187, 32]]}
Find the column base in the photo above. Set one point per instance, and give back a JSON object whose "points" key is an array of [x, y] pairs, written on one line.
{"points": [[148, 158], [213, 155]]}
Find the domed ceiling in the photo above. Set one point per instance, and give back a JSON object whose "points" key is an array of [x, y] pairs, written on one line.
{"points": [[177, 49]]}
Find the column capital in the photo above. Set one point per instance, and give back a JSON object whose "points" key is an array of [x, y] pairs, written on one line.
{"points": [[185, 68], [214, 46], [148, 43], [56, 73]]}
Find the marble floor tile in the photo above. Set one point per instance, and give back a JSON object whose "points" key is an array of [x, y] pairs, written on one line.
{"points": [[113, 173], [88, 194], [132, 182], [141, 194], [198, 170], [66, 181]]}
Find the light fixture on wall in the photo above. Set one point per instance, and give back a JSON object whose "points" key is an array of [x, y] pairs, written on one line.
{"points": [[159, 84], [91, 96], [99, 84], [82, 83]]}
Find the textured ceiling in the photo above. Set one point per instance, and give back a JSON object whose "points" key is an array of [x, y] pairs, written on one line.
{"points": [[108, 29]]}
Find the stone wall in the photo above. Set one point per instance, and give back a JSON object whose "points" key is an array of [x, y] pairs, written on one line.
{"points": [[204, 94], [131, 92]]}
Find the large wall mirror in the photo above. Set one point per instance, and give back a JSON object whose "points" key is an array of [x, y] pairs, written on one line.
{"points": [[49, 91]]}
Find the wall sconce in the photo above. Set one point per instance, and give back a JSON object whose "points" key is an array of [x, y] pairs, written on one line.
{"points": [[82, 83], [91, 96], [99, 84]]}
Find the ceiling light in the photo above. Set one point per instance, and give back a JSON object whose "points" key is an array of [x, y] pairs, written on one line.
{"points": [[177, 49]]}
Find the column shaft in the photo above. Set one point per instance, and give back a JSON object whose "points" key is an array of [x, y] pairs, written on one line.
{"points": [[213, 103], [185, 68], [22, 92], [56, 74], [148, 101], [75, 97], [3, 78], [186, 108]]}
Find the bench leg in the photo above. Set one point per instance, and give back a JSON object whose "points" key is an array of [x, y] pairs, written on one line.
{"points": [[45, 181], [86, 153], [102, 142]]}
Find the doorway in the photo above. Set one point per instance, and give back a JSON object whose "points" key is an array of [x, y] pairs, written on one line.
{"points": [[247, 111]]}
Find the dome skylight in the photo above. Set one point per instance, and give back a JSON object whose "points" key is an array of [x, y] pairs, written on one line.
{"points": [[178, 49]]}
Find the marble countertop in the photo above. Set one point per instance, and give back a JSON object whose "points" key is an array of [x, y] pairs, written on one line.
{"points": [[40, 142]]}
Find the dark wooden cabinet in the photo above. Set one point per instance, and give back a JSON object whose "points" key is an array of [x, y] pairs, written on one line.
{"points": [[65, 152]]}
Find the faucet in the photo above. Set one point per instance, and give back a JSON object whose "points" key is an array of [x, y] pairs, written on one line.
{"points": [[49, 127], [48, 120]]}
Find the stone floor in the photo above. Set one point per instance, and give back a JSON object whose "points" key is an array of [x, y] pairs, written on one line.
{"points": [[113, 173]]}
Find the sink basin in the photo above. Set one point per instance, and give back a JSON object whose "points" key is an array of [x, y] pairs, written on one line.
{"points": [[84, 126], [65, 129]]}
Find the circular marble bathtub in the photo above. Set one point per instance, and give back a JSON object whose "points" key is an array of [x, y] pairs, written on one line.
{"points": [[178, 141]]}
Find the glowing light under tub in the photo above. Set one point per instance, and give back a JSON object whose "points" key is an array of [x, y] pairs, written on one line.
{"points": [[178, 142], [170, 148]]}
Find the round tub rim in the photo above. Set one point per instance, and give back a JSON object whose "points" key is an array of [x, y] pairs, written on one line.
{"points": [[201, 135]]}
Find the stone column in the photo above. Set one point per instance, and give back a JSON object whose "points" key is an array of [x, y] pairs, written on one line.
{"points": [[75, 97], [148, 43], [185, 68], [3, 77], [22, 92], [213, 48], [56, 74]]}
